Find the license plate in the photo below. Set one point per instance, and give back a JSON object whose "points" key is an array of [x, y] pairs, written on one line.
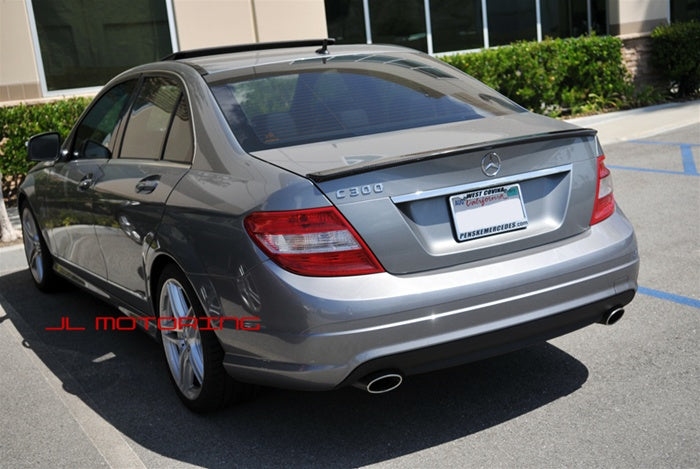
{"points": [[487, 212]]}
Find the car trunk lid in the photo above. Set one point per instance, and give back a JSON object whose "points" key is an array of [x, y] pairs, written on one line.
{"points": [[400, 194]]}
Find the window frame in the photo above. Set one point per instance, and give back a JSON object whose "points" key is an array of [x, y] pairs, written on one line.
{"points": [[90, 89]]}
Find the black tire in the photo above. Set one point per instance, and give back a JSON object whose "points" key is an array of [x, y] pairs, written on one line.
{"points": [[202, 385], [39, 258]]}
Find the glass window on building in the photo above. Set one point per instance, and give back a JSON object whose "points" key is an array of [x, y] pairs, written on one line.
{"points": [[456, 25], [84, 44], [567, 18], [685, 10], [346, 21], [400, 22], [511, 20], [599, 17]]}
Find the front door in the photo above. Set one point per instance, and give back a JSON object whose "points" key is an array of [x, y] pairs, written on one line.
{"points": [[69, 203]]}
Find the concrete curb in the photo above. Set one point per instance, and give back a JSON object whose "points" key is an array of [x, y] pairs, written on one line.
{"points": [[13, 213], [12, 247]]}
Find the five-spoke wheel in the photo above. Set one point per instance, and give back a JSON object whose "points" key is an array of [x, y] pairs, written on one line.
{"points": [[183, 344], [38, 256], [194, 355]]}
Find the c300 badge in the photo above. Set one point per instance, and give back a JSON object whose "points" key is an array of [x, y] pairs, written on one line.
{"points": [[358, 191]]}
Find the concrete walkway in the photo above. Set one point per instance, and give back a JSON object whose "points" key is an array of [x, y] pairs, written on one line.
{"points": [[614, 127]]}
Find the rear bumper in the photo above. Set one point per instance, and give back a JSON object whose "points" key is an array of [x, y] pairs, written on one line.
{"points": [[469, 349], [321, 333]]}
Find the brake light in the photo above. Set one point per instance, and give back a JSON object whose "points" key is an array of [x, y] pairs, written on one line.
{"points": [[317, 242], [604, 201]]}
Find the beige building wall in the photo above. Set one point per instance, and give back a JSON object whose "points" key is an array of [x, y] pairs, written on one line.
{"points": [[19, 78], [280, 20], [633, 17], [206, 23]]}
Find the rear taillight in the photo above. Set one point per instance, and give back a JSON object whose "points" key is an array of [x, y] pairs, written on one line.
{"points": [[317, 242], [604, 201]]}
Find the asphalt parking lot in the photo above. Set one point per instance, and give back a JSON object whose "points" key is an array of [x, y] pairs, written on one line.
{"points": [[621, 396]]}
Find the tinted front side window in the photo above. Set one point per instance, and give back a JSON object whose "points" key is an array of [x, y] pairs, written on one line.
{"points": [[350, 96], [150, 118], [94, 137]]}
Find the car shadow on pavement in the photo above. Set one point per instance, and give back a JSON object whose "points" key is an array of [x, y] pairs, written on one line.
{"points": [[122, 376]]}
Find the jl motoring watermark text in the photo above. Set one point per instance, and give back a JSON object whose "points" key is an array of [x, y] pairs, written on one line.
{"points": [[128, 323]]}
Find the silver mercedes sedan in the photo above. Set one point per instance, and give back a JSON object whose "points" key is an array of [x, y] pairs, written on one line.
{"points": [[308, 215]]}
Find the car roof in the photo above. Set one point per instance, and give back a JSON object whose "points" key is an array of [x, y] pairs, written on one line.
{"points": [[229, 58]]}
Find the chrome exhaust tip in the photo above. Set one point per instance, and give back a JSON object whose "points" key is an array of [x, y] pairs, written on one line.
{"points": [[381, 382], [612, 316]]}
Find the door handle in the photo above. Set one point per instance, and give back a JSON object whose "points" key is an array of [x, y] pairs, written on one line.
{"points": [[85, 182], [147, 185]]}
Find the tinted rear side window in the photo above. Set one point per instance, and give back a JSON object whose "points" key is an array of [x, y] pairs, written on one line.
{"points": [[359, 95], [180, 144], [150, 118]]}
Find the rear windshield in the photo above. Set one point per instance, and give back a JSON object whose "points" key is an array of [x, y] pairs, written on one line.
{"points": [[347, 97]]}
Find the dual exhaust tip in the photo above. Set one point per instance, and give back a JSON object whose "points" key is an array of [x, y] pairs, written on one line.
{"points": [[385, 381], [380, 382], [612, 316]]}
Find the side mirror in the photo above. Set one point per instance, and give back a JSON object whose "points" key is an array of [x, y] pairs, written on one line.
{"points": [[44, 147]]}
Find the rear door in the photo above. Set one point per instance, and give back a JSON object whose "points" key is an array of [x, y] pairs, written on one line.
{"points": [[156, 151]]}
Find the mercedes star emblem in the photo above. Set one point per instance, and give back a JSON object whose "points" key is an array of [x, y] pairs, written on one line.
{"points": [[491, 164]]}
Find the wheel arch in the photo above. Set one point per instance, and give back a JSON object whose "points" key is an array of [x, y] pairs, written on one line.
{"points": [[24, 201], [21, 200], [158, 264]]}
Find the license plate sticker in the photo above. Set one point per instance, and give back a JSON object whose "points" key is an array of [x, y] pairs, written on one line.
{"points": [[487, 212]]}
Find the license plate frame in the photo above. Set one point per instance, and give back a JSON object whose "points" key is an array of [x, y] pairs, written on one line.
{"points": [[487, 212]]}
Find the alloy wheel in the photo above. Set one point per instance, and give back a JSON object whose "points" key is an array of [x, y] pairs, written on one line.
{"points": [[181, 339], [32, 246]]}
